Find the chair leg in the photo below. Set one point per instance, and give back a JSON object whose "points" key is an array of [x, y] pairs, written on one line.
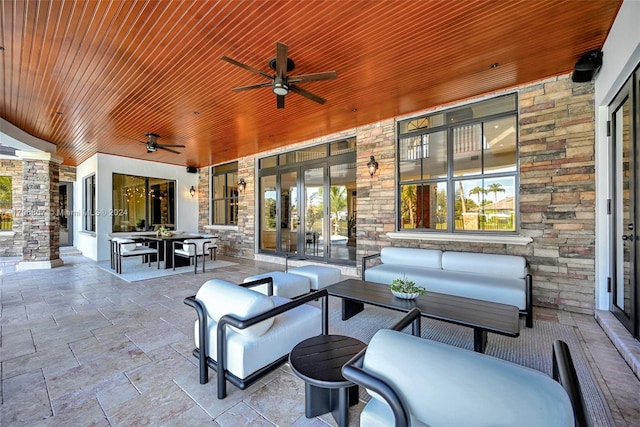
{"points": [[203, 258]]}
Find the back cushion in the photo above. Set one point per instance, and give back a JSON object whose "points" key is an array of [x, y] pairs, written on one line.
{"points": [[221, 297], [429, 258], [487, 264], [126, 245]]}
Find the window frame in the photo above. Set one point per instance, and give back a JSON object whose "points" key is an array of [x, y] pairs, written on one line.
{"points": [[6, 212], [230, 194], [89, 203], [451, 179]]}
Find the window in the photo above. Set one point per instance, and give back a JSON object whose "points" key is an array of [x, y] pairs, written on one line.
{"points": [[141, 203], [6, 203], [224, 194], [89, 202], [458, 169]]}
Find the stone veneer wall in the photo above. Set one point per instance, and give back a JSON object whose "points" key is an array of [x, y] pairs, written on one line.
{"points": [[11, 243], [41, 197], [557, 193]]}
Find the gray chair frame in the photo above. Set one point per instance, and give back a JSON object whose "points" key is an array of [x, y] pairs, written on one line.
{"points": [[205, 361]]}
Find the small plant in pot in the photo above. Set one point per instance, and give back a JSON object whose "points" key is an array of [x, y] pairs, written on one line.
{"points": [[406, 289]]}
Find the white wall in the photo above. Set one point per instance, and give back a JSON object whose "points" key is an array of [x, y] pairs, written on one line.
{"points": [[85, 242], [621, 54], [97, 247]]}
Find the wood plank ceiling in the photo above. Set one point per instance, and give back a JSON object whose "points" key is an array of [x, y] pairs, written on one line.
{"points": [[94, 76]]}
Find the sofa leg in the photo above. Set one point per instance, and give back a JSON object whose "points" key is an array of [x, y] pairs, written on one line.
{"points": [[529, 319]]}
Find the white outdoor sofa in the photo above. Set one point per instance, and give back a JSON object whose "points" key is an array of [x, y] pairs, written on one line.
{"points": [[489, 277], [243, 334], [419, 382]]}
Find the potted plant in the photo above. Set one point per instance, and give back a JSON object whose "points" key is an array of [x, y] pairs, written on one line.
{"points": [[140, 224], [406, 289]]}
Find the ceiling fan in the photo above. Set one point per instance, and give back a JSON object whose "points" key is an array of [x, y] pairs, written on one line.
{"points": [[280, 82], [152, 143]]}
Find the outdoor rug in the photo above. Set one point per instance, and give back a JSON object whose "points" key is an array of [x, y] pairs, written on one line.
{"points": [[532, 348], [133, 270]]}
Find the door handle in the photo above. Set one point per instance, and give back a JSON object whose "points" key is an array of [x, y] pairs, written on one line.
{"points": [[629, 237]]}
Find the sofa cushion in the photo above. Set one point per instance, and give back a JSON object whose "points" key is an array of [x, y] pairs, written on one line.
{"points": [[246, 355], [505, 290], [221, 297], [491, 264], [428, 258], [446, 385]]}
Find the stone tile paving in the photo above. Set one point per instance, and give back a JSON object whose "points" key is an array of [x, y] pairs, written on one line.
{"points": [[82, 347]]}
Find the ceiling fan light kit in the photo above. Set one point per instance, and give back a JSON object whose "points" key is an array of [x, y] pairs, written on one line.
{"points": [[280, 83]]}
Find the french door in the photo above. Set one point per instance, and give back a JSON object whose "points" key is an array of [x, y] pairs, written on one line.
{"points": [[310, 210], [625, 187]]}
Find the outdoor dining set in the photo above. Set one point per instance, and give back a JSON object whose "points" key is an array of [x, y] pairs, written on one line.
{"points": [[166, 250]]}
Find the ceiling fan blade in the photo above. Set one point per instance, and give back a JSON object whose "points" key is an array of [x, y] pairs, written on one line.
{"points": [[246, 67], [133, 139], [171, 145], [256, 86], [280, 101], [281, 59], [313, 77], [162, 147], [307, 94]]}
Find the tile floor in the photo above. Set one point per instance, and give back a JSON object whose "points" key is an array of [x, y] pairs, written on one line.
{"points": [[82, 347]]}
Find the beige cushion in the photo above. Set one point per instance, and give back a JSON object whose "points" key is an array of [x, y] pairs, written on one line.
{"points": [[126, 245], [188, 249], [220, 297], [246, 355]]}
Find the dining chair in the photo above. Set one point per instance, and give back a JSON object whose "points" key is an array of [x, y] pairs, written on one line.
{"points": [[191, 249]]}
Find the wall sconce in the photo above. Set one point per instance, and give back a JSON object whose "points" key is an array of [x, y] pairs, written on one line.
{"points": [[192, 191], [372, 165], [242, 185]]}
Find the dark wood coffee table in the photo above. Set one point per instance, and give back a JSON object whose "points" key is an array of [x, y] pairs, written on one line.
{"points": [[318, 361], [482, 316]]}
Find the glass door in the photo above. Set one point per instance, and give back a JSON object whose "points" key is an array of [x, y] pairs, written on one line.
{"points": [[289, 220], [624, 236], [342, 244], [66, 226], [314, 212]]}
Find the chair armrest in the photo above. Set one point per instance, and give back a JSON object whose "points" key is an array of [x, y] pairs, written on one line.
{"points": [[268, 280], [565, 373], [364, 262], [353, 371], [202, 335], [231, 320]]}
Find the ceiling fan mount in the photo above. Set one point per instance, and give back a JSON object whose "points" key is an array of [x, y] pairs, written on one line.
{"points": [[281, 84], [153, 145]]}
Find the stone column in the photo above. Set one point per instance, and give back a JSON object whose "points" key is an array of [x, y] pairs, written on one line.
{"points": [[40, 203]]}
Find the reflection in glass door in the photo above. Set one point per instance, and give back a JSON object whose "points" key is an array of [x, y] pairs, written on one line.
{"points": [[314, 212], [624, 236], [342, 244], [289, 212], [66, 226], [269, 218]]}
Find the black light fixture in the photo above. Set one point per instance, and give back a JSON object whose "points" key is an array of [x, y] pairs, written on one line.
{"points": [[192, 191], [372, 165], [242, 185]]}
